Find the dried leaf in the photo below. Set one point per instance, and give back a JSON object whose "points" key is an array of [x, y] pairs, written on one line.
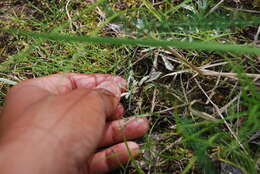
{"points": [[167, 64], [154, 75], [145, 78]]}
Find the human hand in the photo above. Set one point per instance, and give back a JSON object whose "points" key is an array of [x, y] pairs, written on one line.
{"points": [[55, 124]]}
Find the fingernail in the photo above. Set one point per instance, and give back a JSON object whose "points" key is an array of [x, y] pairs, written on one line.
{"points": [[137, 122], [133, 147]]}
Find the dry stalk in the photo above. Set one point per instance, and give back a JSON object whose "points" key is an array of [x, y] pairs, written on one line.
{"points": [[171, 108], [183, 90], [211, 73], [201, 114], [184, 60], [221, 116], [214, 8], [224, 108], [256, 35], [202, 71], [213, 90], [163, 111], [68, 14], [229, 75], [153, 100]]}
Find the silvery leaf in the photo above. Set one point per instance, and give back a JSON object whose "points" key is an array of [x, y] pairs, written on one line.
{"points": [[145, 78], [154, 75], [167, 64]]}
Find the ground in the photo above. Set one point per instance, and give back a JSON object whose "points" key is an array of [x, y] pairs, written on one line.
{"points": [[200, 123]]}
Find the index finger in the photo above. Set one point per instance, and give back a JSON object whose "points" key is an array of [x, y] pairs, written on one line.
{"points": [[30, 91], [65, 82]]}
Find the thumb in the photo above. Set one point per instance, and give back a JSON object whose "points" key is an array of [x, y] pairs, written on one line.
{"points": [[114, 89]]}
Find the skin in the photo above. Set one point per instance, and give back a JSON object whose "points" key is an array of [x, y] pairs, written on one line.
{"points": [[67, 123]]}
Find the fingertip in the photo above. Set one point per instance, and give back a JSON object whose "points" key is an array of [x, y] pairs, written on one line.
{"points": [[143, 122], [123, 152], [146, 124], [124, 129], [132, 148], [113, 157], [136, 127]]}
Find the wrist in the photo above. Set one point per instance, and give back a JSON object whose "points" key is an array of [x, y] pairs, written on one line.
{"points": [[29, 154]]}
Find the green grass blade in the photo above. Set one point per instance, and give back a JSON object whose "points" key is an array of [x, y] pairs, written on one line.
{"points": [[195, 45], [152, 10]]}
